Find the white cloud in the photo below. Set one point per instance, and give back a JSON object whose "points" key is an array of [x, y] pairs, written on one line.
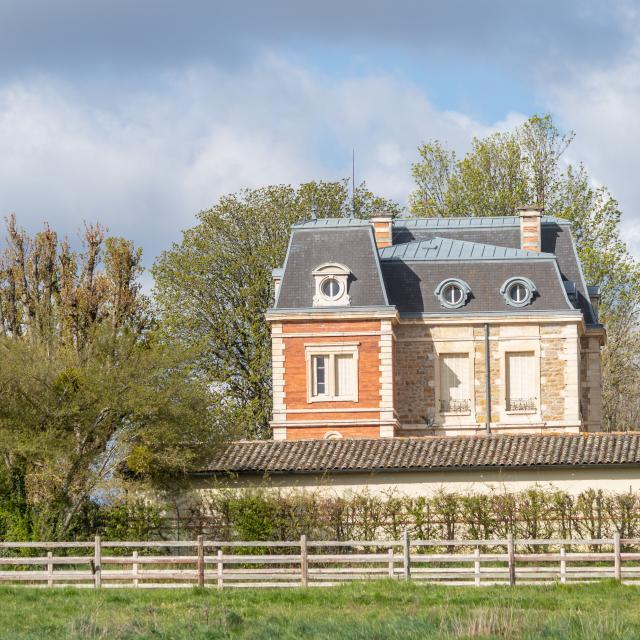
{"points": [[145, 162], [603, 107]]}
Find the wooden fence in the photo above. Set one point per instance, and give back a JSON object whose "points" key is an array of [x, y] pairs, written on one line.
{"points": [[303, 563]]}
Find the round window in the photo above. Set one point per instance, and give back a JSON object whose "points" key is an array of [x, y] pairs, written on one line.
{"points": [[518, 292], [452, 294], [331, 288]]}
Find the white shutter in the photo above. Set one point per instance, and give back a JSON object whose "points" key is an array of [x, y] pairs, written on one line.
{"points": [[520, 378], [345, 375], [454, 377]]}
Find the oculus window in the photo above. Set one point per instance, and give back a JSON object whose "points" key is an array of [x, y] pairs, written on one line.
{"points": [[518, 292], [453, 293], [331, 286]]}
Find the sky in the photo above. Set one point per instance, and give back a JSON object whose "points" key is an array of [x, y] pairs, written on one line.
{"points": [[140, 114]]}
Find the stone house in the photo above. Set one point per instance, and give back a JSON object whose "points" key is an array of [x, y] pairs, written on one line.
{"points": [[425, 354], [442, 326]]}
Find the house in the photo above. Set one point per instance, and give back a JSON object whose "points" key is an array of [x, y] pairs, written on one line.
{"points": [[430, 353], [434, 326]]}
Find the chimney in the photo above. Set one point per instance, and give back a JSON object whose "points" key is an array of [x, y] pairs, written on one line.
{"points": [[383, 228], [530, 228], [594, 298]]}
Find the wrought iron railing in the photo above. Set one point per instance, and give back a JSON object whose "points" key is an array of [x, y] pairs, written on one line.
{"points": [[522, 404], [455, 406]]}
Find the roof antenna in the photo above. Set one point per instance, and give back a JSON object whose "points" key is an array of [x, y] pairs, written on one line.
{"points": [[353, 183]]}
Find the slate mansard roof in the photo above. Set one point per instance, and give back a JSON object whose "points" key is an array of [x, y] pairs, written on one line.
{"points": [[430, 453], [505, 232], [483, 252]]}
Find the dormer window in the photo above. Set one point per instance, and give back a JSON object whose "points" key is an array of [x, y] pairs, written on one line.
{"points": [[453, 293], [518, 292], [331, 286]]}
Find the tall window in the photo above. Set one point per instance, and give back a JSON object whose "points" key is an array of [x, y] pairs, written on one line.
{"points": [[455, 394], [320, 375], [333, 372], [521, 382]]}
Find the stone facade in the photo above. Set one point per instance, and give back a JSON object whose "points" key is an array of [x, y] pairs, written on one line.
{"points": [[556, 348], [591, 382]]}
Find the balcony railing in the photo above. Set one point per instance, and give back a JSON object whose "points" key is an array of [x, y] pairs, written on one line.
{"points": [[522, 404], [455, 406]]}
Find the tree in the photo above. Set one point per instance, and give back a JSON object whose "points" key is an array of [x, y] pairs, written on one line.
{"points": [[85, 385], [506, 170], [214, 288]]}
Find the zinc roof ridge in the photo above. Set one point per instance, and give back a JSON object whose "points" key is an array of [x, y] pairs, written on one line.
{"points": [[463, 222], [446, 246]]}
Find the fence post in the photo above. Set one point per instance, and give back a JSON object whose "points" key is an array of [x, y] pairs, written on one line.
{"points": [[304, 578], [476, 566], [134, 568], [391, 563], [511, 560], [563, 565], [406, 548], [49, 569], [617, 560], [220, 570], [201, 561], [97, 563]]}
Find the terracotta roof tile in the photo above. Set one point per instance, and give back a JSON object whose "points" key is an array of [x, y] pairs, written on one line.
{"points": [[427, 453]]}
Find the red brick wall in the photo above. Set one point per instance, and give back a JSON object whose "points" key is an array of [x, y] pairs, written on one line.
{"points": [[296, 377], [318, 433]]}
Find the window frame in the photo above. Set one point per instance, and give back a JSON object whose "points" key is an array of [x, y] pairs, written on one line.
{"points": [[330, 351], [519, 345], [449, 419], [464, 288], [529, 286], [507, 387], [462, 354], [331, 271]]}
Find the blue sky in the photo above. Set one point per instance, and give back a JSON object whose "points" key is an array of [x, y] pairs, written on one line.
{"points": [[139, 114]]}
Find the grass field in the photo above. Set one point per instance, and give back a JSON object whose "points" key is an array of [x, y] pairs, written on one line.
{"points": [[359, 611]]}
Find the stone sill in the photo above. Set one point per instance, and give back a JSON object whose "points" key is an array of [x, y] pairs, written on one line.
{"points": [[332, 399], [455, 413]]}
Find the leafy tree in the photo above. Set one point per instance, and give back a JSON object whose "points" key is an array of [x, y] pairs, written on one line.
{"points": [[214, 288], [84, 384], [504, 171]]}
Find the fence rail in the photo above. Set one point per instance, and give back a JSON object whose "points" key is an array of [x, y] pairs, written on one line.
{"points": [[314, 563]]}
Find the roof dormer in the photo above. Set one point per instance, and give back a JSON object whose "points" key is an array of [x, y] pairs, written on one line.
{"points": [[331, 285]]}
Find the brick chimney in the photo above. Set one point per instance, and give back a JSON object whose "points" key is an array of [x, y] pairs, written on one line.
{"points": [[530, 228], [383, 228]]}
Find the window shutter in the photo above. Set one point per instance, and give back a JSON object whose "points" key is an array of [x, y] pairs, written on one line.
{"points": [[345, 377], [520, 378], [454, 377]]}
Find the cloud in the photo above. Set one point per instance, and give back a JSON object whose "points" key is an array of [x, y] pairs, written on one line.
{"points": [[150, 34], [602, 106], [140, 114], [144, 162]]}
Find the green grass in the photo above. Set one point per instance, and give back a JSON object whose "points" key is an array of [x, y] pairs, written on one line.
{"points": [[369, 611]]}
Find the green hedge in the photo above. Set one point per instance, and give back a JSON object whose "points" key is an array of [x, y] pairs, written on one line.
{"points": [[261, 514], [534, 513]]}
